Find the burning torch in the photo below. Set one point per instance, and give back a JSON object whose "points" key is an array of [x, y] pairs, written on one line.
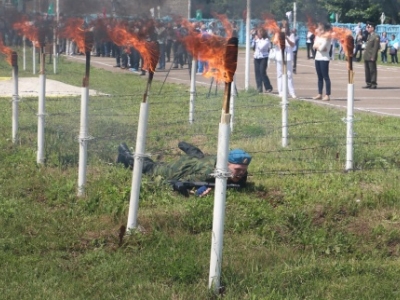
{"points": [[15, 96], [349, 43], [282, 45], [42, 94], [12, 58], [83, 132], [221, 172], [150, 63]]}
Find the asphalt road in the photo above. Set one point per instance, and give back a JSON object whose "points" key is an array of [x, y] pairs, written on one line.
{"points": [[385, 100]]}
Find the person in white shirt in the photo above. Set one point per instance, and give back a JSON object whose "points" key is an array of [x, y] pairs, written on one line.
{"points": [[322, 46], [261, 46], [357, 29], [288, 57]]}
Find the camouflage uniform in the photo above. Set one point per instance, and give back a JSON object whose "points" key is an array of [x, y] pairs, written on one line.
{"points": [[187, 168], [194, 166]]}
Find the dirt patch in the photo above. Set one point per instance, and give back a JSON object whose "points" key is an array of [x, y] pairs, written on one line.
{"points": [[29, 87], [319, 215], [359, 227], [274, 197]]}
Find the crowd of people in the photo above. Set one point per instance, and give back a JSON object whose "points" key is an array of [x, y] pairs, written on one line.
{"points": [[321, 44]]}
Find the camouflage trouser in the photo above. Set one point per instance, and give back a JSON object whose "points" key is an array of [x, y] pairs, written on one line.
{"points": [[186, 168]]}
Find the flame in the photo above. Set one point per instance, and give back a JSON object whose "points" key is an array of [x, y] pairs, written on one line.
{"points": [[28, 29], [311, 25], [213, 50], [270, 24], [345, 37], [226, 24], [7, 51], [74, 29], [121, 36]]}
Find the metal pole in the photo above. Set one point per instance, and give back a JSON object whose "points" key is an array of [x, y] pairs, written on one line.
{"points": [[294, 15], [192, 91], [247, 64], [189, 8]]}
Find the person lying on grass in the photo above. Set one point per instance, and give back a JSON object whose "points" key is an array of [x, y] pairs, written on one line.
{"points": [[192, 167]]}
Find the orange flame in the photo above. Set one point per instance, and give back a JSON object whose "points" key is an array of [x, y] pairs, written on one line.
{"points": [[74, 30], [7, 51], [226, 24], [28, 29], [271, 25], [345, 37], [212, 49], [121, 36], [311, 25]]}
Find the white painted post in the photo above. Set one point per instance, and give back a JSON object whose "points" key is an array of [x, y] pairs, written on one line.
{"points": [[138, 166], [349, 122], [54, 51], [294, 15], [222, 172], [192, 90], [284, 105], [33, 58], [83, 140], [41, 110], [247, 64], [217, 237], [15, 99], [24, 53]]}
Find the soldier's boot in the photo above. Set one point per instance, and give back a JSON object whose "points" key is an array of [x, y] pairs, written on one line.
{"points": [[125, 156], [148, 165], [190, 150]]}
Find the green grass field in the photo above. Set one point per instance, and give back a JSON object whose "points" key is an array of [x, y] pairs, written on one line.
{"points": [[303, 229]]}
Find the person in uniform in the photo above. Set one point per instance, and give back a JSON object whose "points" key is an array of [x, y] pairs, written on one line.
{"points": [[194, 166], [371, 50]]}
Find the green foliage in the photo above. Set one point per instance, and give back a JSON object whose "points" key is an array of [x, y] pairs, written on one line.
{"points": [[350, 11]]}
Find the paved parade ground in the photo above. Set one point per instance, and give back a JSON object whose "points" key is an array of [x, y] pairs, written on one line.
{"points": [[384, 100]]}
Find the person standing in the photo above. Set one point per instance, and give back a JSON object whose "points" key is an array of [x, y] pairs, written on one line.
{"points": [[359, 44], [384, 47], [393, 45], [261, 46], [309, 43], [161, 39], [372, 46], [322, 46], [288, 56]]}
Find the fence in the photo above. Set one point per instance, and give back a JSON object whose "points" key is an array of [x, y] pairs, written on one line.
{"points": [[317, 137]]}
